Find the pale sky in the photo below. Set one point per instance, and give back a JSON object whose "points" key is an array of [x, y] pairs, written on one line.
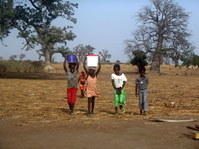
{"points": [[105, 24]]}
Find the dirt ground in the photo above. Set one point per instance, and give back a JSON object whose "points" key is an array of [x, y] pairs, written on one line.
{"points": [[33, 112], [108, 134]]}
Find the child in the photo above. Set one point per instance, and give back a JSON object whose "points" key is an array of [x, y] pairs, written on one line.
{"points": [[141, 89], [82, 83], [91, 86], [118, 82], [72, 84]]}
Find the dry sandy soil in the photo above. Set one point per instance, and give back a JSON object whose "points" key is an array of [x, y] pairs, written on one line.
{"points": [[33, 112]]}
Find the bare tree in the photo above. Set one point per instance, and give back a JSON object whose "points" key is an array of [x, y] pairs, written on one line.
{"points": [[162, 32], [81, 51], [105, 55]]}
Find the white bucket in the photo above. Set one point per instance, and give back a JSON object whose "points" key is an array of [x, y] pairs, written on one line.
{"points": [[92, 60]]}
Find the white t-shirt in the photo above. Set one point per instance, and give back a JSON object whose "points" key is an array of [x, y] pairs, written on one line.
{"points": [[118, 79]]}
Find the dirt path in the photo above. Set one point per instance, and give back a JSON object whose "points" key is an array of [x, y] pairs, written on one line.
{"points": [[107, 134]]}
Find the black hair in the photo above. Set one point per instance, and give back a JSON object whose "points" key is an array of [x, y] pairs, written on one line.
{"points": [[116, 66], [70, 64]]}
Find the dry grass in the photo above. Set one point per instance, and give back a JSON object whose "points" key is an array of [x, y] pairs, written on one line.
{"points": [[33, 101]]}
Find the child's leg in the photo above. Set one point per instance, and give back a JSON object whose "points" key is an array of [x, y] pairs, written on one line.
{"points": [[122, 100], [123, 97], [82, 93], [89, 104], [81, 89], [122, 109], [141, 111], [72, 107], [116, 110], [73, 98], [69, 96], [141, 102], [93, 104], [145, 101], [116, 101]]}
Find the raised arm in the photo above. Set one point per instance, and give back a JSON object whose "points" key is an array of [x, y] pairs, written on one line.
{"points": [[99, 67], [64, 65], [77, 67], [84, 66], [79, 80]]}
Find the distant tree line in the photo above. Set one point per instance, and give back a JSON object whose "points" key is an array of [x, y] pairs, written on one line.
{"points": [[140, 60], [192, 60], [82, 50]]}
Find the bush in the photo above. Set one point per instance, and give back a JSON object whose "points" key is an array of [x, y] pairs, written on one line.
{"points": [[139, 60], [21, 66], [193, 60]]}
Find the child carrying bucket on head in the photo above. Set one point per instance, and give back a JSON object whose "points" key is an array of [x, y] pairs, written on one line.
{"points": [[82, 83], [118, 82], [72, 79], [91, 90], [141, 90]]}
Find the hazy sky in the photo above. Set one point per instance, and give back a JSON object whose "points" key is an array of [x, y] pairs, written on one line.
{"points": [[106, 24]]}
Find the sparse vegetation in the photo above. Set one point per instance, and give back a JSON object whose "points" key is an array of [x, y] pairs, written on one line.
{"points": [[42, 101], [21, 66]]}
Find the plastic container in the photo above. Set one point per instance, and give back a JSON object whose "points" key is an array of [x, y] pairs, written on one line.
{"points": [[71, 58], [92, 60]]}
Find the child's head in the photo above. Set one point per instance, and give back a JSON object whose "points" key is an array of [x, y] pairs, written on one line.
{"points": [[72, 67], [82, 73], [91, 72], [116, 69]]}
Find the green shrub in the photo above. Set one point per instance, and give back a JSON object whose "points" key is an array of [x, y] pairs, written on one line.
{"points": [[139, 59]]}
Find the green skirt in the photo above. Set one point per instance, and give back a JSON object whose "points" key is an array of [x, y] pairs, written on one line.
{"points": [[119, 99]]}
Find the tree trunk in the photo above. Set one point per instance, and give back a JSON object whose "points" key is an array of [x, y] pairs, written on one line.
{"points": [[155, 66], [47, 56], [157, 56]]}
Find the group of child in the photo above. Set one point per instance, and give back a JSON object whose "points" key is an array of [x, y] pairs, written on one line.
{"points": [[88, 86]]}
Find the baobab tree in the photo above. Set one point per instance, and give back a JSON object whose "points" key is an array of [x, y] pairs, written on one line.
{"points": [[162, 32]]}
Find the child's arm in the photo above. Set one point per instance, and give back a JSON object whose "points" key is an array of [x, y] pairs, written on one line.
{"points": [[79, 79], [124, 83], [113, 84], [77, 67], [147, 81], [84, 66], [99, 68], [136, 89], [117, 90], [64, 65]]}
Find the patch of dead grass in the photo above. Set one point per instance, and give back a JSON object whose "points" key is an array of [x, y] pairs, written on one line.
{"points": [[32, 101]]}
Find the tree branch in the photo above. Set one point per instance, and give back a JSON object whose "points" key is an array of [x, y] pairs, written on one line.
{"points": [[33, 4]]}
